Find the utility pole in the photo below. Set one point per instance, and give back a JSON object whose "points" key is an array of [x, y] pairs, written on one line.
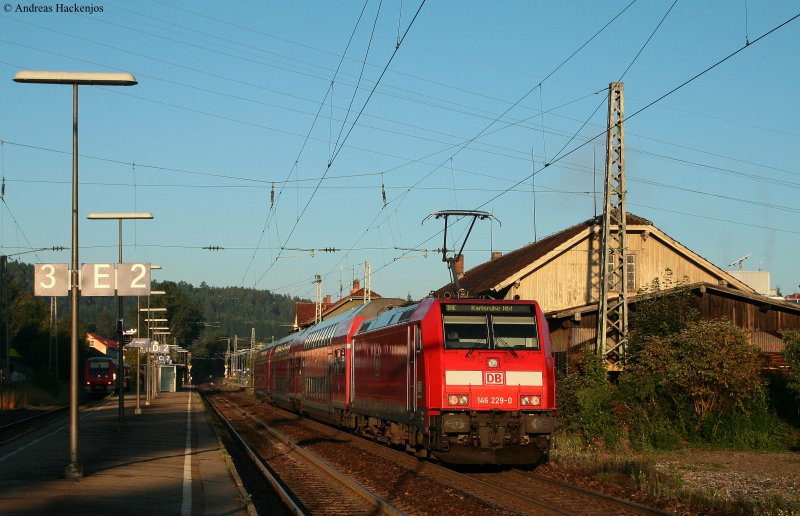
{"points": [[612, 316], [3, 272], [318, 303], [367, 282]]}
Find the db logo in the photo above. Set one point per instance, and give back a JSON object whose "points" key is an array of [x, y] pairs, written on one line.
{"points": [[494, 378]]}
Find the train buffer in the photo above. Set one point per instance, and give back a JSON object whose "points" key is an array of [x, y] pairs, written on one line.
{"points": [[165, 460]]}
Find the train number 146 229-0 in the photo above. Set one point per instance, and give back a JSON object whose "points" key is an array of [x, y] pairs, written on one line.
{"points": [[495, 400]]}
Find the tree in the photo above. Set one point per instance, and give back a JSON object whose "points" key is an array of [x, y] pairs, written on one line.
{"points": [[585, 401], [710, 365], [792, 357], [662, 308]]}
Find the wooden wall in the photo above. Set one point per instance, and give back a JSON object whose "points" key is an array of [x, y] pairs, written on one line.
{"points": [[571, 278], [764, 321]]}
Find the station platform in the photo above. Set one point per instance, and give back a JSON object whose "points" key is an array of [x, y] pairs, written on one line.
{"points": [[151, 464]]}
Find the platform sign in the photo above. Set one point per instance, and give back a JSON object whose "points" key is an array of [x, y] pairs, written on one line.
{"points": [[133, 279], [51, 279], [128, 279], [139, 343], [98, 279]]}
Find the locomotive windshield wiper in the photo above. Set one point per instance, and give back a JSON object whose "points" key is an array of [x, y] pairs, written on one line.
{"points": [[499, 341]]}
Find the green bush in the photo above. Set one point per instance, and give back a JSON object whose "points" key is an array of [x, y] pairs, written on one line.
{"points": [[586, 402], [792, 357]]}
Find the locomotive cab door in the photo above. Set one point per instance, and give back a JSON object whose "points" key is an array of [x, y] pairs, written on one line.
{"points": [[414, 346]]}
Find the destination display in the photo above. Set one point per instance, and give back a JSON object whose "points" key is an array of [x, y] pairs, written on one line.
{"points": [[453, 308]]}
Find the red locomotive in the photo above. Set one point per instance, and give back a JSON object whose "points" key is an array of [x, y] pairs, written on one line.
{"points": [[464, 380], [100, 375]]}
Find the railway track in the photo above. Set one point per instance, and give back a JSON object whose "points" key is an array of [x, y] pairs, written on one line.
{"points": [[304, 481], [20, 427], [415, 486]]}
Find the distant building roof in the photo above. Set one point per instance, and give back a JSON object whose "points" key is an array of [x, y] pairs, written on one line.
{"points": [[305, 312], [101, 344]]}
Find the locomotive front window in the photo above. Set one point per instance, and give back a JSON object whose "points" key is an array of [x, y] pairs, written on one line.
{"points": [[466, 332], [514, 332]]}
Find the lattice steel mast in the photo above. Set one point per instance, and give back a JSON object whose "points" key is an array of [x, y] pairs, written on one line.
{"points": [[612, 316]]}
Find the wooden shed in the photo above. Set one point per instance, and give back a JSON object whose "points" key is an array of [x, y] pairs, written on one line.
{"points": [[562, 271], [763, 318]]}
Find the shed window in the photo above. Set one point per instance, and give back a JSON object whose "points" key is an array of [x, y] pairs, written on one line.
{"points": [[630, 265]]}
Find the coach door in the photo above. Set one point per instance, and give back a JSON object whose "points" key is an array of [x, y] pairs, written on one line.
{"points": [[414, 344]]}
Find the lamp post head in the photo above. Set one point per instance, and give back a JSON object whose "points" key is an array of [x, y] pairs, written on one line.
{"points": [[120, 215], [88, 78]]}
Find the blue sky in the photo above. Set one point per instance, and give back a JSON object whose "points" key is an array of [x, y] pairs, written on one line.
{"points": [[237, 100]]}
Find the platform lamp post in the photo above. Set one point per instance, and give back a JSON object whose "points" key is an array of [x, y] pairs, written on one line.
{"points": [[120, 216], [153, 267], [74, 468], [149, 329], [138, 409], [149, 386], [161, 332]]}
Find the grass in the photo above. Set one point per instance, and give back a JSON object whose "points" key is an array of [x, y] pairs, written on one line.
{"points": [[25, 395], [644, 473]]}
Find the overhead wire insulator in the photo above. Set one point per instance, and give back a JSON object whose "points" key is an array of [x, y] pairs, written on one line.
{"points": [[3, 189], [272, 197], [383, 191], [213, 247]]}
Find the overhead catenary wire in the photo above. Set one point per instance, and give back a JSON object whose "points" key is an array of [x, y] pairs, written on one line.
{"points": [[688, 81], [621, 77], [336, 152], [394, 180], [665, 95], [305, 142], [486, 128]]}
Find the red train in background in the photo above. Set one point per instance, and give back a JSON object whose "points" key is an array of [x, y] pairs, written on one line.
{"points": [[100, 375], [466, 381]]}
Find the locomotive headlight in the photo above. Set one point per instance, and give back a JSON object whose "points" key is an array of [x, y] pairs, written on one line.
{"points": [[493, 362], [530, 400], [458, 399]]}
